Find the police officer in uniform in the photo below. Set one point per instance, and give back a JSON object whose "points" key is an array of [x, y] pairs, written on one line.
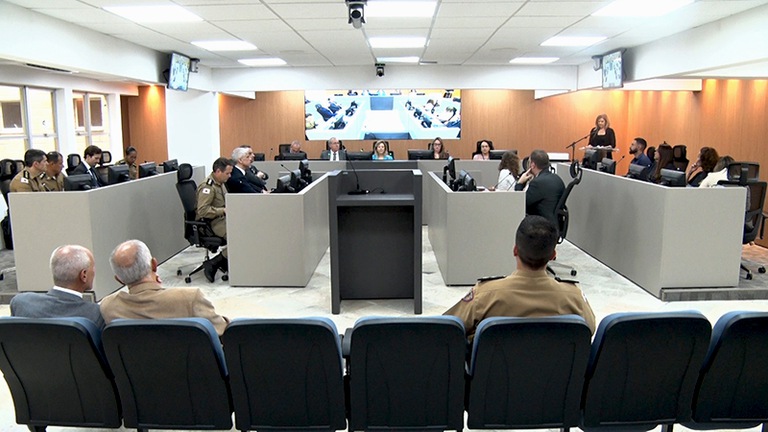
{"points": [[53, 178], [529, 291], [211, 207], [130, 159], [30, 178]]}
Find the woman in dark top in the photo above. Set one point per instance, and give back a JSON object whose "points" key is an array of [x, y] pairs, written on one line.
{"points": [[707, 160], [602, 136], [663, 160], [438, 148]]}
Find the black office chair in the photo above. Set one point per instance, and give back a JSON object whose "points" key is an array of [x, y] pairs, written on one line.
{"points": [[7, 173], [258, 157], [197, 233], [651, 153], [73, 160], [680, 157], [406, 373], [731, 390], [643, 369], [754, 218], [527, 373], [526, 163], [57, 373], [106, 158], [285, 374], [282, 148], [561, 213], [19, 165], [170, 373]]}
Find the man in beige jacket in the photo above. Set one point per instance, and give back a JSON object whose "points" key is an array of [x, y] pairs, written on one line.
{"points": [[135, 267]]}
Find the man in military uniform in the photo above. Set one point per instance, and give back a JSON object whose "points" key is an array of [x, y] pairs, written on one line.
{"points": [[529, 291], [30, 178], [211, 207], [53, 178], [130, 159]]}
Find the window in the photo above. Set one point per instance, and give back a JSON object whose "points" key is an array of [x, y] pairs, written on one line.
{"points": [[91, 120], [13, 141], [11, 112], [26, 121]]}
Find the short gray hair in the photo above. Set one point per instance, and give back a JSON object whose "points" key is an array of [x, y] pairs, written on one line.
{"points": [[67, 262], [134, 262], [238, 153]]}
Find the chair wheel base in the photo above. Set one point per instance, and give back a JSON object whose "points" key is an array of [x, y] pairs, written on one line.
{"points": [[749, 276], [178, 272], [759, 270], [573, 272], [188, 279], [225, 278]]}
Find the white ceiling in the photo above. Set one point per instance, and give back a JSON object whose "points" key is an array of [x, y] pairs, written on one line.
{"points": [[316, 33]]}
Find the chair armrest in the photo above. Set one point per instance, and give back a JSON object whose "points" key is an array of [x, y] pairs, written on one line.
{"points": [[346, 343], [762, 225]]}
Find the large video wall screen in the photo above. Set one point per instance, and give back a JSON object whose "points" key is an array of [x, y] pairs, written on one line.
{"points": [[383, 114]]}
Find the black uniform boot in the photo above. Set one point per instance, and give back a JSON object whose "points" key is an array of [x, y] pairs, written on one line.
{"points": [[224, 264]]}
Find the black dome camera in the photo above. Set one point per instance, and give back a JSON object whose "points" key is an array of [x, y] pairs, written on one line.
{"points": [[379, 69]]}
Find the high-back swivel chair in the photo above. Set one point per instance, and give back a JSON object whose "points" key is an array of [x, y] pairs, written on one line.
{"points": [[197, 233], [680, 157], [7, 173], [561, 212], [73, 160]]}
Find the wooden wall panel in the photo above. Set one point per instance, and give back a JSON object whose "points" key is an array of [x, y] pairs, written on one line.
{"points": [[147, 129]]}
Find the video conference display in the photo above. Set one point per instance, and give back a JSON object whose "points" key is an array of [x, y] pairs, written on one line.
{"points": [[613, 71], [383, 114]]}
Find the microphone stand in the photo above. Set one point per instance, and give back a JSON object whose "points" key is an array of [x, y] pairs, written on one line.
{"points": [[357, 190], [572, 146]]}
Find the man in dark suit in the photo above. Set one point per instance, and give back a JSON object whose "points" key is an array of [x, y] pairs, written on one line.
{"points": [[246, 178], [544, 187], [335, 151], [73, 271], [91, 158]]}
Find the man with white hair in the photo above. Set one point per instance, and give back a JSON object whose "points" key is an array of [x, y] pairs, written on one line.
{"points": [[240, 181], [73, 270], [135, 267]]}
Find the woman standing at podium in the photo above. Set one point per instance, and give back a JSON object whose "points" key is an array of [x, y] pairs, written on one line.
{"points": [[602, 136]]}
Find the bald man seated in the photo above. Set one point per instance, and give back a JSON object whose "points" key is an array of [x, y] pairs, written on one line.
{"points": [[135, 267], [73, 271]]}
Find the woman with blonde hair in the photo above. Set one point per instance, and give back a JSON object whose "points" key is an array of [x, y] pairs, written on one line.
{"points": [[602, 136], [438, 148], [381, 151]]}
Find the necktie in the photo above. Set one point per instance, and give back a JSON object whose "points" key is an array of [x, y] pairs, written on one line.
{"points": [[334, 158], [93, 177]]}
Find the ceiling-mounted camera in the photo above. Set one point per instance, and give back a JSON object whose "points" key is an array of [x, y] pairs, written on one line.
{"points": [[356, 9], [379, 69]]}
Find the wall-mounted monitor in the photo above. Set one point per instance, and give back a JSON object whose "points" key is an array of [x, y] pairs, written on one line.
{"points": [[374, 114], [178, 72], [613, 70]]}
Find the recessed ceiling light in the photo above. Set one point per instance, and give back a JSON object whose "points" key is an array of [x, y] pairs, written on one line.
{"points": [[534, 60], [264, 61], [225, 45], [642, 8], [575, 41], [400, 9], [397, 42], [154, 14], [413, 59]]}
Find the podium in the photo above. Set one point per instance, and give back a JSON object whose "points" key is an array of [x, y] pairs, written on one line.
{"points": [[375, 238]]}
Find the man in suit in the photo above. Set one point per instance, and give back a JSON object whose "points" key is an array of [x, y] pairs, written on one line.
{"points": [[91, 158], [335, 151], [243, 180], [134, 266], [544, 187], [73, 271]]}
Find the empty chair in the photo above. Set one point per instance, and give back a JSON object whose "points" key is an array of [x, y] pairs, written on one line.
{"points": [[57, 373], [750, 171], [680, 157], [731, 390], [170, 373], [642, 370], [754, 218], [285, 374], [562, 216], [527, 372], [406, 373], [73, 160]]}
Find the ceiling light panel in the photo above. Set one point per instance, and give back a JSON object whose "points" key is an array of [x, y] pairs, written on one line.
{"points": [[399, 9], [534, 60], [397, 42], [264, 61], [154, 14], [642, 8], [224, 45], [573, 41], [408, 59]]}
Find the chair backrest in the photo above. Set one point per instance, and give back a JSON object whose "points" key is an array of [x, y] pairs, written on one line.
{"points": [[7, 169], [527, 372], [407, 373], [187, 189], [651, 153], [643, 368], [733, 379], [170, 373], [753, 215], [106, 158], [73, 160], [57, 373], [744, 171], [561, 211], [285, 374], [19, 166], [680, 157]]}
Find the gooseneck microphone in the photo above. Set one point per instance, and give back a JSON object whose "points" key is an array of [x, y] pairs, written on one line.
{"points": [[357, 190]]}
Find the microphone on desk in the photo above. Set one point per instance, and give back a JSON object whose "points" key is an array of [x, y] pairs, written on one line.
{"points": [[501, 181], [357, 190], [621, 159]]}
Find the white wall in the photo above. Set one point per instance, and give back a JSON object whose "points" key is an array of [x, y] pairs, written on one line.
{"points": [[193, 126]]}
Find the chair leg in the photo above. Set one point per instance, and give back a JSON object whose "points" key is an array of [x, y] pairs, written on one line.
{"points": [[667, 427], [749, 272]]}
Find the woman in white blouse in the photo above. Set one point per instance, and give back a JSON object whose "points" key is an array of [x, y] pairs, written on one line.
{"points": [[509, 171]]}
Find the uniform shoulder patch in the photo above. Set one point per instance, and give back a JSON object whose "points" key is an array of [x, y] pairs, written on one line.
{"points": [[24, 180], [470, 296], [205, 191], [490, 278], [25, 174]]}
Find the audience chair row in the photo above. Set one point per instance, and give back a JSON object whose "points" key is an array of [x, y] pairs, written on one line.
{"points": [[642, 370]]}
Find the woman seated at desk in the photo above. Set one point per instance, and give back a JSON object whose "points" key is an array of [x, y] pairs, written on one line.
{"points": [[704, 165], [509, 171], [381, 151], [663, 159], [438, 148], [483, 151]]}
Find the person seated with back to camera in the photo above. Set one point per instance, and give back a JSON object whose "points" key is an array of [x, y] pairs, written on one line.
{"points": [[509, 171], [239, 182], [704, 165], [438, 149], [528, 291], [381, 151], [544, 187], [664, 160], [719, 172], [483, 150]]}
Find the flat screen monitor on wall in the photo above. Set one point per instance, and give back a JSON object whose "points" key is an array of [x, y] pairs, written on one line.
{"points": [[178, 72], [613, 70]]}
